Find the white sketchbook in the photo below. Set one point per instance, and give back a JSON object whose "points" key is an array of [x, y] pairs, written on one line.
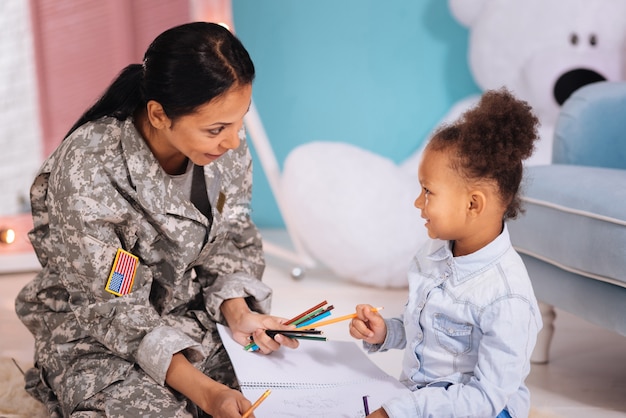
{"points": [[319, 379]]}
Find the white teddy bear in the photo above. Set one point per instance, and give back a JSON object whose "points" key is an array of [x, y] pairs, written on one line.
{"points": [[353, 210], [543, 50]]}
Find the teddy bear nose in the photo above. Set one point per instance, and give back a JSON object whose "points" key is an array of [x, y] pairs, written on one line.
{"points": [[572, 80]]}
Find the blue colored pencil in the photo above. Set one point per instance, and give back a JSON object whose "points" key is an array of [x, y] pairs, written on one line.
{"points": [[314, 320], [309, 316]]}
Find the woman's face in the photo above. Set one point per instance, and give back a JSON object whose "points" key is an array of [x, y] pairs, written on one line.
{"points": [[206, 134]]}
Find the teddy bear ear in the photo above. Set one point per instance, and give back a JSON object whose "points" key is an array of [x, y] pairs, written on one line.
{"points": [[466, 11]]}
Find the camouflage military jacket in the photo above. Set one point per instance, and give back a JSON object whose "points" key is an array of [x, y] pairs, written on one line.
{"points": [[101, 190]]}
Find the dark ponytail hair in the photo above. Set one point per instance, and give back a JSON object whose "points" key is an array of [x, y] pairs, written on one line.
{"points": [[184, 67]]}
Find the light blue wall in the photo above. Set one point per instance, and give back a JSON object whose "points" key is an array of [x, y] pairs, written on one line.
{"points": [[378, 74]]}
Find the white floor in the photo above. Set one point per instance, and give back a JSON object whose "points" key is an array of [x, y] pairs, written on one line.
{"points": [[586, 376]]}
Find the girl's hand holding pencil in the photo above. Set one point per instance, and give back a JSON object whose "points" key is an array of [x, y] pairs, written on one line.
{"points": [[368, 325]]}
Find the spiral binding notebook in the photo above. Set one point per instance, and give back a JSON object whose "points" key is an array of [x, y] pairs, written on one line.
{"points": [[318, 379]]}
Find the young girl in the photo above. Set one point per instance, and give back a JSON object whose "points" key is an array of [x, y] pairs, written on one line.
{"points": [[143, 229], [472, 319]]}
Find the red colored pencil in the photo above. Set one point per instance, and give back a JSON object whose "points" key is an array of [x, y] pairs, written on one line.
{"points": [[308, 311]]}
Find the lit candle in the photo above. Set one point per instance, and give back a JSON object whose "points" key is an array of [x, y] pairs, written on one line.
{"points": [[7, 235]]}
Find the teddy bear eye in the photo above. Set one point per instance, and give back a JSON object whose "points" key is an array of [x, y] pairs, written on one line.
{"points": [[593, 39], [573, 38]]}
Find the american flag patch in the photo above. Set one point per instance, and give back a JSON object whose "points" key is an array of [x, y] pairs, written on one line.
{"points": [[122, 274]]}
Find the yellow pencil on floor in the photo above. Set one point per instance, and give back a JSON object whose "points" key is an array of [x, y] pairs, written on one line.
{"points": [[332, 321], [256, 404]]}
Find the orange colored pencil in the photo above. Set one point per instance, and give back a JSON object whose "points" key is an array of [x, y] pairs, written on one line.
{"points": [[256, 404]]}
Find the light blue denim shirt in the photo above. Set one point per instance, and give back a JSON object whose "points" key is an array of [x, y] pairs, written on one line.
{"points": [[468, 330]]}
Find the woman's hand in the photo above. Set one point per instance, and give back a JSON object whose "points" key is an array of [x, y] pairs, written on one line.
{"points": [[212, 397], [368, 326], [247, 326], [224, 402]]}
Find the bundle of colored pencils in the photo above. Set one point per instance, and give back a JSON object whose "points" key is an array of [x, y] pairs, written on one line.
{"points": [[306, 318], [306, 323], [311, 316]]}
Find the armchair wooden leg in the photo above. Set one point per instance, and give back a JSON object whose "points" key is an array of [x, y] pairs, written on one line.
{"points": [[541, 353]]}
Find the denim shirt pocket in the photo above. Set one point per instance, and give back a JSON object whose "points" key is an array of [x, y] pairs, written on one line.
{"points": [[454, 337]]}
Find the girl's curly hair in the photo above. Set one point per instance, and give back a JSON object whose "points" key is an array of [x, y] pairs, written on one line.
{"points": [[490, 141]]}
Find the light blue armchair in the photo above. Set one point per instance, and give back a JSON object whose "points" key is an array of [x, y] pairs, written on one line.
{"points": [[573, 234]]}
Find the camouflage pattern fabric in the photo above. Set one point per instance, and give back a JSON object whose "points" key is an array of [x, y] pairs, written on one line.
{"points": [[101, 190]]}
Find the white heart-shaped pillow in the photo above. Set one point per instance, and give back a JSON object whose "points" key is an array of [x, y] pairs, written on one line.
{"points": [[353, 211]]}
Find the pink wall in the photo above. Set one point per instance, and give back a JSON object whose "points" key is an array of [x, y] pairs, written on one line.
{"points": [[80, 46]]}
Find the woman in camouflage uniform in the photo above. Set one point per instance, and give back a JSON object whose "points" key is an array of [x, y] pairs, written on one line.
{"points": [[143, 230]]}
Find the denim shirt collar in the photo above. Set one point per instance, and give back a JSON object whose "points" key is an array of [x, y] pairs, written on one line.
{"points": [[468, 266]]}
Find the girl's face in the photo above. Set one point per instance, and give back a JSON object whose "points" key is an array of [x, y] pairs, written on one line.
{"points": [[206, 134], [443, 198]]}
